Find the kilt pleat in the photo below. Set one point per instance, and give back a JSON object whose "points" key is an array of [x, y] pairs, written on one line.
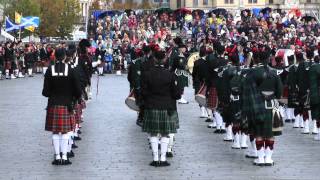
{"points": [[59, 119], [78, 112], [160, 121], [212, 98]]}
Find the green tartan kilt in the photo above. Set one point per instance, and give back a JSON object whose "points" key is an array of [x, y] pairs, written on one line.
{"points": [[263, 128], [160, 121], [183, 81], [315, 111]]}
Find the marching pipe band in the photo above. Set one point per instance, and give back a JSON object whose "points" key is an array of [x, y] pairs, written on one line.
{"points": [[247, 99]]}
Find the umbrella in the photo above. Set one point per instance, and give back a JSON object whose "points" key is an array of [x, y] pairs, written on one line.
{"points": [[308, 18], [128, 11], [199, 11], [108, 13], [163, 10], [219, 11], [183, 11], [248, 12], [266, 10]]}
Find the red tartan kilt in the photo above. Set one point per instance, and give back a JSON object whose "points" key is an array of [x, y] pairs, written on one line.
{"points": [[285, 92], [7, 65], [83, 104], [212, 98], [78, 112], [59, 119]]}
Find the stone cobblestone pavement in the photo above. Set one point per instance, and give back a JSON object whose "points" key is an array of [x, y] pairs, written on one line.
{"points": [[113, 147]]}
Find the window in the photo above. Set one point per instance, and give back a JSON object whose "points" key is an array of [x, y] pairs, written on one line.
{"points": [[270, 1], [205, 2], [195, 3], [179, 3], [308, 1], [252, 1], [228, 1]]}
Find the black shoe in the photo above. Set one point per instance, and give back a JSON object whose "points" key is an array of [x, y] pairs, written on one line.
{"points": [[169, 154], [74, 146], [155, 163], [65, 162], [56, 162], [269, 164], [139, 123], [79, 132], [70, 154], [219, 131], [164, 164], [251, 157], [287, 120], [209, 120], [77, 138]]}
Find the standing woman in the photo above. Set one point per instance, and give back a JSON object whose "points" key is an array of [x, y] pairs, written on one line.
{"points": [[159, 92], [61, 86]]}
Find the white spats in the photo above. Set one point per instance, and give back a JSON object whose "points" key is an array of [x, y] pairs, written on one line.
{"points": [[204, 113], [268, 157], [164, 148], [154, 142], [314, 127], [171, 141], [70, 141], [56, 145], [297, 121], [100, 70], [236, 141], [306, 128], [252, 150], [64, 145], [260, 161], [229, 136], [243, 142], [118, 73], [219, 120], [182, 100]]}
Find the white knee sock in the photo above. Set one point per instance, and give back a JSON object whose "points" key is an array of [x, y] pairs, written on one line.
{"points": [[64, 145], [218, 119], [56, 145], [154, 141], [170, 145], [70, 141], [164, 148]]}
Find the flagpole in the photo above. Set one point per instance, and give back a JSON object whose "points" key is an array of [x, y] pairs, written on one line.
{"points": [[20, 29]]}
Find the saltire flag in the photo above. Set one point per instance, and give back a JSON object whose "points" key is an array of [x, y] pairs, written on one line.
{"points": [[30, 28], [10, 26], [30, 21], [17, 18]]}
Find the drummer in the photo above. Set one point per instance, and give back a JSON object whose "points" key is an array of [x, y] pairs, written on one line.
{"points": [[199, 74]]}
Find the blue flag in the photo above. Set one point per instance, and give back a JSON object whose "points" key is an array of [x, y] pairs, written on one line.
{"points": [[10, 26], [30, 21]]}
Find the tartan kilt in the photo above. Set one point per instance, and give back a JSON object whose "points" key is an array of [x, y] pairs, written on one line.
{"points": [[160, 121], [183, 81], [59, 119], [212, 98], [263, 128], [78, 113]]}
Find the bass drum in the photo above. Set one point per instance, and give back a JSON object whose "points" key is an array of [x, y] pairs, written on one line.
{"points": [[201, 96], [131, 102], [191, 59]]}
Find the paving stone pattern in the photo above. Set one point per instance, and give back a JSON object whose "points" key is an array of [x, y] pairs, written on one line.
{"points": [[113, 147]]}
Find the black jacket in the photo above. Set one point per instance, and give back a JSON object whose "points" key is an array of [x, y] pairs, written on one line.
{"points": [[159, 89], [61, 89], [44, 54]]}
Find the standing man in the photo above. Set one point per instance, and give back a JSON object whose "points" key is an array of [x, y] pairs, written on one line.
{"points": [[44, 57], [179, 66], [61, 86]]}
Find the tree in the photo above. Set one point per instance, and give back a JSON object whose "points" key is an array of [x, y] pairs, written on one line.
{"points": [[59, 17]]}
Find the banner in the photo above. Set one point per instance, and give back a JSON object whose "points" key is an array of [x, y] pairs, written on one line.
{"points": [[10, 26]]}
